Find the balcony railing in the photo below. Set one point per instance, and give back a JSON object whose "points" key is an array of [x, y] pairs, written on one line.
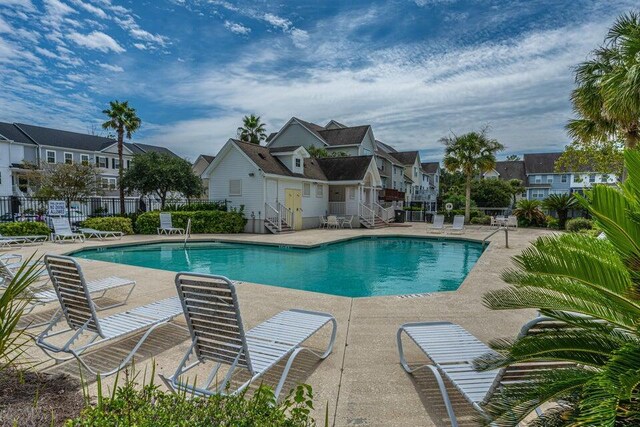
{"points": [[390, 195]]}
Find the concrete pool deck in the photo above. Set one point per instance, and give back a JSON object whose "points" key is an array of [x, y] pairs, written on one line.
{"points": [[362, 381]]}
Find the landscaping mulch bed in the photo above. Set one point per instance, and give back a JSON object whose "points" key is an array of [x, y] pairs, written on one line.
{"points": [[29, 398]]}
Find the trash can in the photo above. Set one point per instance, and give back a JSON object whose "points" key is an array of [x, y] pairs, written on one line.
{"points": [[399, 215]]}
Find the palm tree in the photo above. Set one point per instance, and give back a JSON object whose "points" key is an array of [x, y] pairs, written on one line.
{"points": [[517, 187], [607, 97], [529, 212], [591, 285], [123, 120], [472, 153], [252, 130], [561, 204]]}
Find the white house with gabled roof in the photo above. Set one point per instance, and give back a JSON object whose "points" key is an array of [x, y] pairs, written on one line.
{"points": [[283, 188]]}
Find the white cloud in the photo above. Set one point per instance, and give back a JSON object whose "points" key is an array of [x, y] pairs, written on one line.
{"points": [[236, 28], [96, 40], [91, 9], [412, 97], [56, 8], [140, 46], [277, 21], [299, 37], [4, 26], [22, 4], [46, 53], [112, 68], [128, 23]]}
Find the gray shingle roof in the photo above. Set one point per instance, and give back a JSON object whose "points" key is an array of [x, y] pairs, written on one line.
{"points": [[345, 168], [12, 133], [540, 162], [430, 167], [270, 164], [79, 141], [284, 149], [405, 157], [65, 139], [511, 169], [344, 136], [208, 158], [385, 147]]}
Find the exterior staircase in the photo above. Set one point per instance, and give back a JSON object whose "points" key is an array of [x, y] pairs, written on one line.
{"points": [[372, 219], [278, 219]]}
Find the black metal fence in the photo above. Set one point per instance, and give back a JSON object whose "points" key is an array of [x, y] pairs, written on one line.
{"points": [[15, 208]]}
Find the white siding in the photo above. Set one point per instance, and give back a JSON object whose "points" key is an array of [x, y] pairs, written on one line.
{"points": [[235, 166], [296, 135]]}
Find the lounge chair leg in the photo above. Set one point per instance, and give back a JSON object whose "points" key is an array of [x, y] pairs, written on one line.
{"points": [[436, 374]]}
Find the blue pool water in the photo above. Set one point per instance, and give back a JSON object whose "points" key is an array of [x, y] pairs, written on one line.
{"points": [[355, 268]]}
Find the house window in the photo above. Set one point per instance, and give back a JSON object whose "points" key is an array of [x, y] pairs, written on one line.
{"points": [[306, 189], [563, 178], [235, 187], [537, 179], [115, 163], [68, 158], [51, 156], [319, 190], [550, 179], [415, 172], [592, 178], [298, 163], [352, 193], [102, 162], [108, 183], [128, 164], [84, 159]]}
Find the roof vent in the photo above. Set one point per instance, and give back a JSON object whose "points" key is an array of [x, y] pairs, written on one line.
{"points": [[262, 156]]}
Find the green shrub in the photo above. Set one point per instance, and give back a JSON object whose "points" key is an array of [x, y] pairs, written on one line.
{"points": [[26, 228], [206, 222], [197, 206], [482, 220], [577, 224], [553, 223], [110, 224], [147, 406]]}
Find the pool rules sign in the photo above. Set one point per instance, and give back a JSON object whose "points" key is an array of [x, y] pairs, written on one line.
{"points": [[57, 207]]}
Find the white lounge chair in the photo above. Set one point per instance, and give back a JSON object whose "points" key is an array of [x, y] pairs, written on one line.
{"points": [[62, 231], [437, 226], [332, 222], [166, 225], [452, 350], [512, 222], [8, 241], [85, 329], [213, 316], [92, 232], [458, 224], [42, 294], [323, 222]]}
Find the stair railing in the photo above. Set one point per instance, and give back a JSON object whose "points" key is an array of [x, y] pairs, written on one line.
{"points": [[286, 214], [272, 216], [368, 214]]}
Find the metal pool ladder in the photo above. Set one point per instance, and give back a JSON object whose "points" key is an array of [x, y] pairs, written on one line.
{"points": [[187, 233], [506, 237]]}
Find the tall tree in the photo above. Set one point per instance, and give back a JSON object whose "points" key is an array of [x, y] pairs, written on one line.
{"points": [[66, 181], [513, 158], [607, 94], [472, 153], [252, 130], [592, 155], [124, 121], [161, 174]]}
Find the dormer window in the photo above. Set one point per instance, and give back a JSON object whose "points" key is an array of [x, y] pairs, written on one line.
{"points": [[298, 162]]}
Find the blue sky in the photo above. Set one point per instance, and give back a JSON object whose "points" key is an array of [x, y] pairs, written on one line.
{"points": [[414, 69]]}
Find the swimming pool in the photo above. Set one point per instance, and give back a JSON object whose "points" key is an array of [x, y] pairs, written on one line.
{"points": [[360, 267]]}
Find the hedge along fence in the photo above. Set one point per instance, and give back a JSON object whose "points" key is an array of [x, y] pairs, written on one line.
{"points": [[115, 223], [26, 228], [204, 222]]}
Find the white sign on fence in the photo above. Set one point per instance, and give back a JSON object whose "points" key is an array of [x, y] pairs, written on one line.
{"points": [[57, 208]]}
